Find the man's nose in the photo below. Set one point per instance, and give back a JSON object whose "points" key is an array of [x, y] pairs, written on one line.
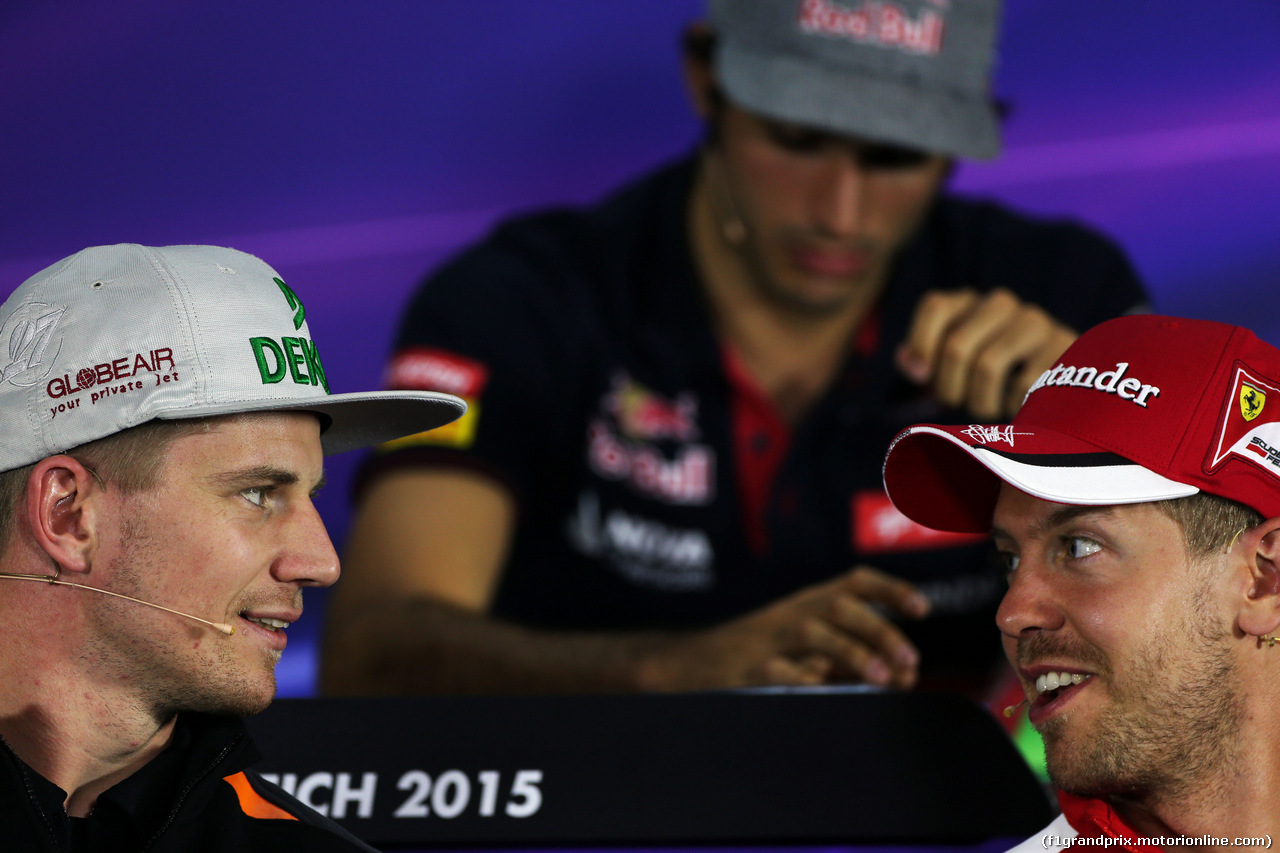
{"points": [[1028, 605], [841, 193], [307, 555]]}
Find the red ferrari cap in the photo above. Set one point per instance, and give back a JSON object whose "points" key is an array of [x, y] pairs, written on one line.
{"points": [[1141, 408]]}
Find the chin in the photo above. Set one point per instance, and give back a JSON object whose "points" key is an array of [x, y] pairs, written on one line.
{"points": [[1094, 782], [820, 294], [1093, 768], [256, 699], [249, 709], [242, 696], [813, 301], [245, 705]]}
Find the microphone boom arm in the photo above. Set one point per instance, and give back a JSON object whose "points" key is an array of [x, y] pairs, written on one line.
{"points": [[53, 580]]}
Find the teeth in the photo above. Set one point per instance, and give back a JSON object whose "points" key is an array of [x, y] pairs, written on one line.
{"points": [[268, 622], [1053, 680]]}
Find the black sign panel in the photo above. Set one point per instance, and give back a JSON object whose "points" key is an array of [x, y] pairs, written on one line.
{"points": [[754, 767]]}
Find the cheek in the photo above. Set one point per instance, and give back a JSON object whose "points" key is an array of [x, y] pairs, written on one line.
{"points": [[1121, 630], [770, 185], [215, 556], [1101, 628]]}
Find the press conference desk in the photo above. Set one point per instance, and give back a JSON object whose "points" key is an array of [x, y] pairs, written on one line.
{"points": [[777, 768]]}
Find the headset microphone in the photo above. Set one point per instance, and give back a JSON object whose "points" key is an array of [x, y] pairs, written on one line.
{"points": [[1010, 710], [732, 227], [221, 627]]}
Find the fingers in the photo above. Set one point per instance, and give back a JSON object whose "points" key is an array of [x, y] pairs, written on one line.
{"points": [[981, 351], [937, 312], [895, 593], [863, 645], [808, 671], [1051, 347], [1010, 360], [859, 641], [834, 632], [967, 346]]}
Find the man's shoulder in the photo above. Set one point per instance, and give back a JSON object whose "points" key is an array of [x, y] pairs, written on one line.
{"points": [[564, 244], [987, 223], [542, 278], [284, 815], [1078, 274], [1052, 838], [229, 801]]}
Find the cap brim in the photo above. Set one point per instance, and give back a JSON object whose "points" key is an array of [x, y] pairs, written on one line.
{"points": [[788, 89], [948, 477], [355, 420]]}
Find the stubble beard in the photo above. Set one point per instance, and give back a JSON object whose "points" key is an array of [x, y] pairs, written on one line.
{"points": [[1171, 730], [153, 652]]}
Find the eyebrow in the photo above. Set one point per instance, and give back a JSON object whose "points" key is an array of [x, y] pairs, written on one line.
{"points": [[263, 473], [1057, 518]]}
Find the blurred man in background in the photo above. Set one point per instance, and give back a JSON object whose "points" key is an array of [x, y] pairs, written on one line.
{"points": [[670, 474]]}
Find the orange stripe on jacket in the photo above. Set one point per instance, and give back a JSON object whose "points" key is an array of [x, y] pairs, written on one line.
{"points": [[252, 803]]}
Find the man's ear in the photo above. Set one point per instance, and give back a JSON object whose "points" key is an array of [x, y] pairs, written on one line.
{"points": [[699, 79], [1260, 604], [61, 511]]}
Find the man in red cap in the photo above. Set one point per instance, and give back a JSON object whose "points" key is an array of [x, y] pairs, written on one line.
{"points": [[1135, 501]]}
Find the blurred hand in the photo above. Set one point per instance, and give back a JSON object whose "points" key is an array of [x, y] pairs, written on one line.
{"points": [[828, 633], [981, 351]]}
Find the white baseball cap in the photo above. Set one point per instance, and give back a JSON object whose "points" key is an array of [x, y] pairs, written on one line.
{"points": [[115, 336]]}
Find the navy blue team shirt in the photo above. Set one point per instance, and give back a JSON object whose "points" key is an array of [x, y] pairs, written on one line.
{"points": [[656, 486]]}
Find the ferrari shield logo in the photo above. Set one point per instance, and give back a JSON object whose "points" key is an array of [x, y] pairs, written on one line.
{"points": [[1251, 401]]}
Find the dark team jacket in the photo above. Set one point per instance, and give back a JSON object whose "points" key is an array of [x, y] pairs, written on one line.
{"points": [[197, 796], [656, 485]]}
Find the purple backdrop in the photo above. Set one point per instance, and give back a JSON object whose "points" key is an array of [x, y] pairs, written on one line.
{"points": [[355, 145]]}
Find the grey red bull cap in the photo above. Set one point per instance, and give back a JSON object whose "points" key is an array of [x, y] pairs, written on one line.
{"points": [[115, 336], [914, 73]]}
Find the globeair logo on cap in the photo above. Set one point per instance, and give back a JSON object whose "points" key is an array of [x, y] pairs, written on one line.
{"points": [[1250, 429], [295, 356], [34, 344]]}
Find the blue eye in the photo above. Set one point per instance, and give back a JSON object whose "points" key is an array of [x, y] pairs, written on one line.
{"points": [[1079, 547]]}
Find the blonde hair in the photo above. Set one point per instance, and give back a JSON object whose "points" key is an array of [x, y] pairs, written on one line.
{"points": [[131, 460], [1209, 523]]}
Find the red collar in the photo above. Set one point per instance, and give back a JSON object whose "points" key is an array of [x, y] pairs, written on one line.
{"points": [[1095, 818]]}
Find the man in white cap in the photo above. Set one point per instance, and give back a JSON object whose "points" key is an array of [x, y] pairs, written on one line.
{"points": [[1135, 502], [164, 414], [670, 476]]}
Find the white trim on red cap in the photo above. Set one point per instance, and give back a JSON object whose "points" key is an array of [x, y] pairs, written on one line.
{"points": [[1091, 485]]}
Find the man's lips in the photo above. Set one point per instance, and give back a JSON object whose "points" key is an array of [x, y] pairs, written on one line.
{"points": [[270, 625], [832, 262], [1052, 687]]}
